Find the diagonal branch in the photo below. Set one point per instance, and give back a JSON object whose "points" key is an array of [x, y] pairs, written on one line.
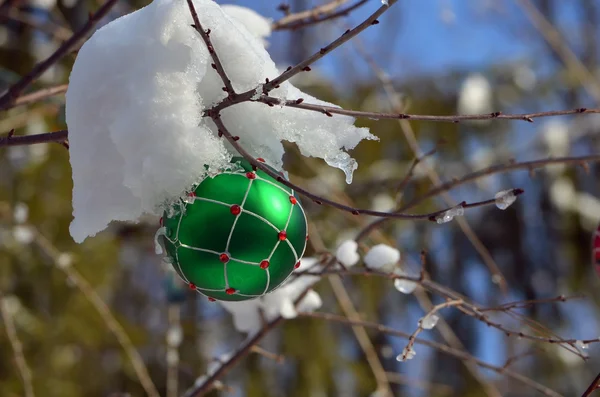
{"points": [[7, 100], [301, 21], [217, 65], [525, 165]]}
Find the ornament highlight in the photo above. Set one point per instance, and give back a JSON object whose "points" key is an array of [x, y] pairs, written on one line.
{"points": [[237, 236]]}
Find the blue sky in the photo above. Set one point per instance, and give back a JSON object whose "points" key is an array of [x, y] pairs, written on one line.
{"points": [[426, 40]]}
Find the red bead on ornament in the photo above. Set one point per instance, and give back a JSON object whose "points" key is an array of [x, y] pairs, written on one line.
{"points": [[192, 286], [235, 209], [224, 258], [282, 235], [264, 264], [250, 175], [230, 291], [293, 200]]}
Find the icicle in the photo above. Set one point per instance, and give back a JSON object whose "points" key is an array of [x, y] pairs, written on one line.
{"points": [[403, 285], [581, 344], [429, 321], [505, 198], [447, 216], [158, 249]]}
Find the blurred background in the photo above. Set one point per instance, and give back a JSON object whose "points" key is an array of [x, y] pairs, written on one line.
{"points": [[438, 57]]}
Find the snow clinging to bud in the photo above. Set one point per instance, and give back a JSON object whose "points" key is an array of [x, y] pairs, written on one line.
{"points": [[448, 215], [407, 354], [347, 253], [505, 198], [382, 257], [429, 321]]}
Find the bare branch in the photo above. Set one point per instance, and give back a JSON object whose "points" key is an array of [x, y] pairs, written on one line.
{"points": [[331, 110], [512, 166], [41, 94], [460, 354], [7, 100], [299, 21], [217, 65], [17, 346], [12, 140]]}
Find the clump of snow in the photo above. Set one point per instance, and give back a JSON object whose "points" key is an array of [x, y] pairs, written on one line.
{"points": [[505, 198], [256, 24], [407, 354], [403, 285], [138, 139], [247, 314], [347, 253], [429, 321], [448, 215], [382, 257]]}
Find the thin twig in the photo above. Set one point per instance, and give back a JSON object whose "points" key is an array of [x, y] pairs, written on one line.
{"points": [[495, 169], [59, 32], [41, 94], [56, 136], [432, 216], [103, 310], [595, 385], [7, 100], [287, 23], [17, 347], [361, 335], [411, 339], [217, 65], [331, 110], [303, 65], [460, 354]]}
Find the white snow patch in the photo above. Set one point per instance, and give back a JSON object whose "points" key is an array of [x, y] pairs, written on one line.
{"points": [[347, 253], [382, 257], [247, 314], [256, 24], [138, 139]]}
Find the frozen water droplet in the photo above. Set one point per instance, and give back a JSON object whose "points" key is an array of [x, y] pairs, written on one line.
{"points": [[447, 216], [581, 344], [429, 321], [385, 2], [158, 249], [403, 285], [256, 95], [407, 354], [505, 198]]}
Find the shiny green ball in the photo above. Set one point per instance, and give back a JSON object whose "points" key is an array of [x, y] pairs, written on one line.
{"points": [[238, 236]]}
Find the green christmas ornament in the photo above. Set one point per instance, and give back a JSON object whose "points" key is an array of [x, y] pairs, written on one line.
{"points": [[238, 236]]}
